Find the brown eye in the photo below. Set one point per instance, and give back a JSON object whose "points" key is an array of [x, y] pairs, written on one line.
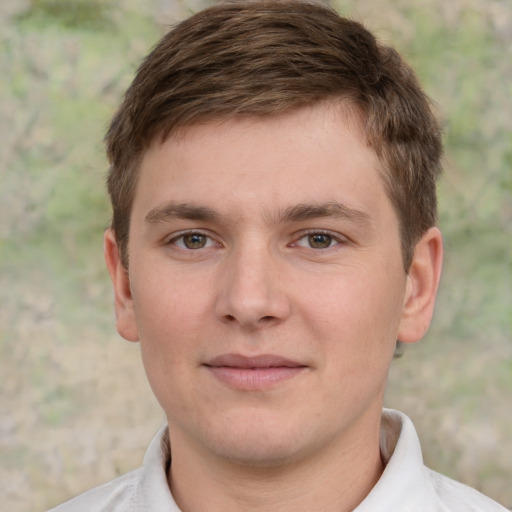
{"points": [[194, 241], [320, 241]]}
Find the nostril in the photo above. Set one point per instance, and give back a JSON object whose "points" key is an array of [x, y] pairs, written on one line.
{"points": [[263, 320]]}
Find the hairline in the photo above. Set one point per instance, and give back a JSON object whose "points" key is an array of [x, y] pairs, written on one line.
{"points": [[346, 106]]}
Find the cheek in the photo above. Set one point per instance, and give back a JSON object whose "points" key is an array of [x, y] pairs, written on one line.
{"points": [[357, 311], [169, 318], [168, 330], [169, 306]]}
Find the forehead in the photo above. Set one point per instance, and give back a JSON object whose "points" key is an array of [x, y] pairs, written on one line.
{"points": [[313, 155]]}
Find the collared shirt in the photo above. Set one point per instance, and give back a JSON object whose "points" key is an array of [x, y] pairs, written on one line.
{"points": [[406, 485]]}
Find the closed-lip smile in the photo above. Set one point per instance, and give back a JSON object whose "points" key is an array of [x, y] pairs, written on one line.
{"points": [[253, 373]]}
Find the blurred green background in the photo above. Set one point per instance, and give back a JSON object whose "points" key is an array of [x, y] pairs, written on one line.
{"points": [[75, 406]]}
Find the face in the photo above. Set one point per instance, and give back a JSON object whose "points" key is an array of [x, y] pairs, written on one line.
{"points": [[265, 285]]}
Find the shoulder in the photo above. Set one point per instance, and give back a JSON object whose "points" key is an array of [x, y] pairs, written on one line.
{"points": [[407, 484], [145, 488], [456, 496], [116, 495]]}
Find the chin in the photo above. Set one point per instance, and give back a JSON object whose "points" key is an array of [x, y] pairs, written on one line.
{"points": [[259, 443]]}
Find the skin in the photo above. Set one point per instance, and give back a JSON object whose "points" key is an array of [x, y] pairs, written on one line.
{"points": [[270, 239]]}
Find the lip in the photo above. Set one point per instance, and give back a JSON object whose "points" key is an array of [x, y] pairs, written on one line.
{"points": [[253, 373]]}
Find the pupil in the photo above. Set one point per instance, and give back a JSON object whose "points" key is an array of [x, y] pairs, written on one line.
{"points": [[319, 241], [195, 241]]}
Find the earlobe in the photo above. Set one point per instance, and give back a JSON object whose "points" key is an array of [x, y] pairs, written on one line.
{"points": [[421, 287], [123, 301]]}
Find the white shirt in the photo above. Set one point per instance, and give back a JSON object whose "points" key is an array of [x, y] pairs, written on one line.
{"points": [[406, 485]]}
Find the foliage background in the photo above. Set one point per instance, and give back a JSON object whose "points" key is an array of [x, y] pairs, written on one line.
{"points": [[75, 406]]}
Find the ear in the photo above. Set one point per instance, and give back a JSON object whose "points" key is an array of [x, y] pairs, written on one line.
{"points": [[421, 288], [123, 300]]}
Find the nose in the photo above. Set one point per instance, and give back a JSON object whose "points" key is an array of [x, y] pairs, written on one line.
{"points": [[251, 290]]}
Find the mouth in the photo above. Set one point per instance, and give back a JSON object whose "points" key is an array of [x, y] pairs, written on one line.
{"points": [[253, 373]]}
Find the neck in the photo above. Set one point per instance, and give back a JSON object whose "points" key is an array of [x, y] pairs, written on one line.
{"points": [[336, 478]]}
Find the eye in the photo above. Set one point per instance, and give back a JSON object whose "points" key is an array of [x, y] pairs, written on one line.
{"points": [[192, 241], [317, 241]]}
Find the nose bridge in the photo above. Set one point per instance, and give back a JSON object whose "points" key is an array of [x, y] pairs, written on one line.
{"points": [[251, 291]]}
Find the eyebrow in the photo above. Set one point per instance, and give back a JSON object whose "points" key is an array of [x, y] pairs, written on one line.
{"points": [[171, 210], [332, 209], [297, 213]]}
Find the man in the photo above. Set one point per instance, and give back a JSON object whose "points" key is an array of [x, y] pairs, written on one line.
{"points": [[272, 178]]}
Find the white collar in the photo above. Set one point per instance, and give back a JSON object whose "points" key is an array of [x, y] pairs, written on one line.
{"points": [[406, 485]]}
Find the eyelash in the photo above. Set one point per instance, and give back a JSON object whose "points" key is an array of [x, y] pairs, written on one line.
{"points": [[334, 239], [184, 234]]}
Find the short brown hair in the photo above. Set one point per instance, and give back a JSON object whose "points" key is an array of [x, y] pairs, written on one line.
{"points": [[265, 58]]}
